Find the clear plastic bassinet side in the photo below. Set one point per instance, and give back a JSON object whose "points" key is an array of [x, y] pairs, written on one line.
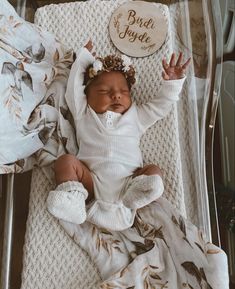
{"points": [[199, 33]]}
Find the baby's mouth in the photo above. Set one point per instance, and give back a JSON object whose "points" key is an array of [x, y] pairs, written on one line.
{"points": [[116, 105]]}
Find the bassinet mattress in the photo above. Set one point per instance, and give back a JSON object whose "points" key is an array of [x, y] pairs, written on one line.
{"points": [[51, 259]]}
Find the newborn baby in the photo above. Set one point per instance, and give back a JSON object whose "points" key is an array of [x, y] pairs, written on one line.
{"points": [[107, 182]]}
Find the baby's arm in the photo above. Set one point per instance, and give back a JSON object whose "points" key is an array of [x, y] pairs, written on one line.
{"points": [[75, 95], [173, 79]]}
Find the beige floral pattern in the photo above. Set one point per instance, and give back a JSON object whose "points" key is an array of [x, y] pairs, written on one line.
{"points": [[104, 240]]}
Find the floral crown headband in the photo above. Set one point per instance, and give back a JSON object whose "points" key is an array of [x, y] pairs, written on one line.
{"points": [[111, 63]]}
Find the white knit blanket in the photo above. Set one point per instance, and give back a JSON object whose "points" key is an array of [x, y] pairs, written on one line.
{"points": [[163, 137], [51, 258]]}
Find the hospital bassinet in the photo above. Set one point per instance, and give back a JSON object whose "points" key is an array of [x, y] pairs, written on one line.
{"points": [[51, 259]]}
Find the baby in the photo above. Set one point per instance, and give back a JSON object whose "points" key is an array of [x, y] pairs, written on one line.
{"points": [[106, 182]]}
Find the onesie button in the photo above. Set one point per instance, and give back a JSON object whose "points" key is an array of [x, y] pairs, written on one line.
{"points": [[109, 123], [108, 115]]}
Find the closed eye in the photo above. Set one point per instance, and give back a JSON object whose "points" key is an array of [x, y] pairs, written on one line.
{"points": [[125, 91], [103, 91]]}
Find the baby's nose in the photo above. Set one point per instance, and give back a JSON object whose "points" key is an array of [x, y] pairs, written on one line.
{"points": [[116, 95]]}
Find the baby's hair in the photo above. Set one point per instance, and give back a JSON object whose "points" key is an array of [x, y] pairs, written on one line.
{"points": [[111, 63]]}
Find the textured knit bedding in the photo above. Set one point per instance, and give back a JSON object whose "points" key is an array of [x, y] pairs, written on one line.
{"points": [[52, 259]]}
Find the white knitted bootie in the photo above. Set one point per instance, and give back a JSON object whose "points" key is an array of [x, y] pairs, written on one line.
{"points": [[143, 190], [67, 202]]}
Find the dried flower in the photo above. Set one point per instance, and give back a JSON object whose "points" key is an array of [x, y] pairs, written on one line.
{"points": [[111, 63], [126, 62], [97, 65], [92, 72]]}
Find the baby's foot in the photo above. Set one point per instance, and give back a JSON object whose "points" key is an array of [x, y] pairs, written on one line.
{"points": [[143, 190], [67, 202]]}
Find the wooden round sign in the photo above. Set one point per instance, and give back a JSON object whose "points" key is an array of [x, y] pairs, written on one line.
{"points": [[138, 28]]}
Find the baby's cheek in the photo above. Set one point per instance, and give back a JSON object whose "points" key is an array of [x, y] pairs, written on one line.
{"points": [[129, 101]]}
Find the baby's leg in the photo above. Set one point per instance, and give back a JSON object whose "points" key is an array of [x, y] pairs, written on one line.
{"points": [[145, 187], [148, 170], [68, 168], [73, 179]]}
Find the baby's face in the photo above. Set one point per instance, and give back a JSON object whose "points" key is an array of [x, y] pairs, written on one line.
{"points": [[109, 91]]}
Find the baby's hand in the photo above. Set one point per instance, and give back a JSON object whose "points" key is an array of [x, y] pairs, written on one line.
{"points": [[89, 45], [174, 70]]}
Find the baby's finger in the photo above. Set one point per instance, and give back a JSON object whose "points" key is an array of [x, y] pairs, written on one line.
{"points": [[164, 64], [184, 66], [179, 60], [172, 61], [165, 76]]}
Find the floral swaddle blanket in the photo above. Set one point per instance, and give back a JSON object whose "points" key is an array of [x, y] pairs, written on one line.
{"points": [[34, 69], [161, 250]]}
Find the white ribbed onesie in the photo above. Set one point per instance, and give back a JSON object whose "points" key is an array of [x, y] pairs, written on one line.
{"points": [[109, 143]]}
